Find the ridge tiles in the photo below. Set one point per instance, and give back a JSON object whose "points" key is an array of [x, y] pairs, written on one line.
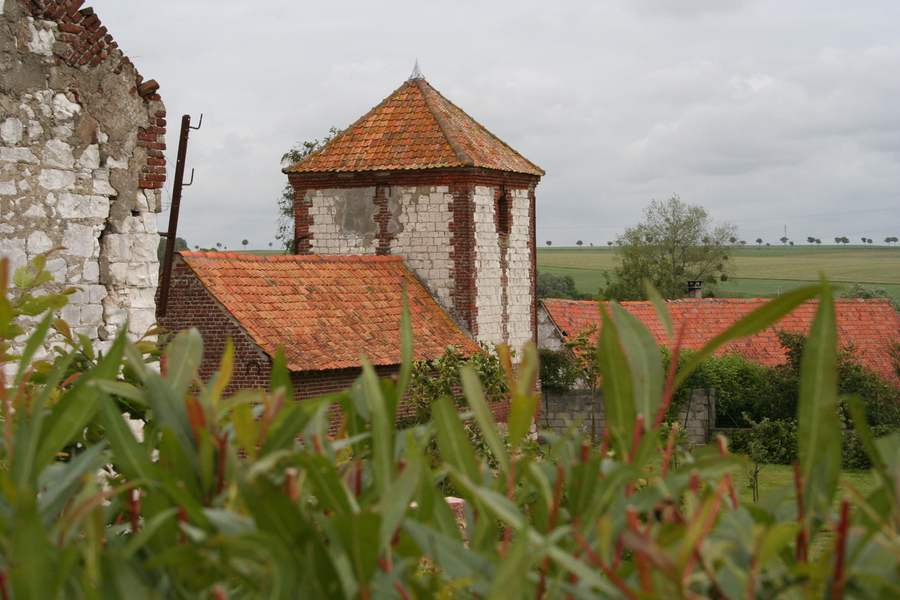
{"points": [[871, 326], [414, 128], [327, 311]]}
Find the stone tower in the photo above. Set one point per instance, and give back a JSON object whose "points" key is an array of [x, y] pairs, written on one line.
{"points": [[418, 178]]}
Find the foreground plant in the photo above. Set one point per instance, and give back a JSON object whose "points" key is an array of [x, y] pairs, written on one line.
{"points": [[247, 496]]}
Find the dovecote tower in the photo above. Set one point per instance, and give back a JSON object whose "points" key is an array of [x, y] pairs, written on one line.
{"points": [[417, 177]]}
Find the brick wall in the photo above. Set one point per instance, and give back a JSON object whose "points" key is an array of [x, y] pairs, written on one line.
{"points": [[191, 305], [467, 234]]}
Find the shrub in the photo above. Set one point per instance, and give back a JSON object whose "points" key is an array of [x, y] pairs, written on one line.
{"points": [[247, 497]]}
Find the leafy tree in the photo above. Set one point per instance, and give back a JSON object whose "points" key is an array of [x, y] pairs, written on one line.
{"points": [[791, 243], [551, 285], [889, 240], [760, 242], [768, 244], [811, 240], [180, 244], [286, 224], [743, 242], [818, 242], [579, 243], [784, 240], [609, 244], [676, 243], [244, 243], [837, 241], [549, 243], [733, 240]]}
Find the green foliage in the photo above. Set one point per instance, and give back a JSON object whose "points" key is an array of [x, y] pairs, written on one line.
{"points": [[558, 372], [675, 243], [247, 497], [180, 244], [286, 224], [551, 285], [867, 292]]}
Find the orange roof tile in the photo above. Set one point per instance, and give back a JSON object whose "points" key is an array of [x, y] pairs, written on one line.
{"points": [[326, 310], [414, 128], [871, 326]]}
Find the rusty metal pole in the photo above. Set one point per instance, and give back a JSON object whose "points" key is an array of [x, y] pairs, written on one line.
{"points": [[170, 235]]}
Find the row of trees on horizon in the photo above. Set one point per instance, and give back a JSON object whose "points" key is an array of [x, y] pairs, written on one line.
{"points": [[838, 240]]}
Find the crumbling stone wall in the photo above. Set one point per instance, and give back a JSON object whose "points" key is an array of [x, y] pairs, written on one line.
{"points": [[81, 163]]}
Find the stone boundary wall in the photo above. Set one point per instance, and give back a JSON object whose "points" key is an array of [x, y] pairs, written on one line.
{"points": [[559, 410]]}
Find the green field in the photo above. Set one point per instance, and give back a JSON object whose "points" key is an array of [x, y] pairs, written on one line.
{"points": [[759, 272]]}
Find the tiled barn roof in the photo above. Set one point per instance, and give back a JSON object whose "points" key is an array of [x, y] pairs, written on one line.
{"points": [[414, 128], [325, 311], [871, 326]]}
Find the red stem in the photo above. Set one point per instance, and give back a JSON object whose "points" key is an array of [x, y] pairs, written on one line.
{"points": [[840, 576], [668, 392], [597, 562], [643, 568], [670, 447], [802, 535], [638, 434]]}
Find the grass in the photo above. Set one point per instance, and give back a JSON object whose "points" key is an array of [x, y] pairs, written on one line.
{"points": [[759, 272]]}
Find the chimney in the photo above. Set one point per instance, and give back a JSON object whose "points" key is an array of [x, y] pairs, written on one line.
{"points": [[695, 290]]}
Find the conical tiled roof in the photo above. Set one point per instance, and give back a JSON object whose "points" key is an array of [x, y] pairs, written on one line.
{"points": [[414, 128]]}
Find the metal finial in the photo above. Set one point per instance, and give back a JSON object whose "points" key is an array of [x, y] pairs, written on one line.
{"points": [[417, 72]]}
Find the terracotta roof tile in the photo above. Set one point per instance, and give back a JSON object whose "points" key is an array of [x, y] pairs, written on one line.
{"points": [[414, 128], [326, 310], [871, 326]]}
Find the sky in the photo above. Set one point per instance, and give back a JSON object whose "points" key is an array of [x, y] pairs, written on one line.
{"points": [[777, 116]]}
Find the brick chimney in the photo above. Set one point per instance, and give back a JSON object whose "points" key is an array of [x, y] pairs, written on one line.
{"points": [[695, 290]]}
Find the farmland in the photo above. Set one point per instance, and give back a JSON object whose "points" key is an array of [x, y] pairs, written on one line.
{"points": [[759, 272]]}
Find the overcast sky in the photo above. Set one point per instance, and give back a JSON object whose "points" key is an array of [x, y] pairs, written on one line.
{"points": [[766, 113]]}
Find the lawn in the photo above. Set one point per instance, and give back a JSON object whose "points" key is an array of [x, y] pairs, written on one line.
{"points": [[759, 272]]}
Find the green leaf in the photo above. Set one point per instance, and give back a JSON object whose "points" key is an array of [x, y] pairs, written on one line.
{"points": [[818, 429], [395, 503], [483, 415], [35, 340], [77, 407], [643, 357], [511, 580], [618, 386], [329, 489], [381, 427], [281, 377], [30, 552], [659, 305], [127, 452], [183, 357], [452, 441], [61, 481]]}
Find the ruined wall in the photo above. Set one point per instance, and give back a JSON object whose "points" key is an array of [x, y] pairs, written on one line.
{"points": [[468, 235], [81, 163]]}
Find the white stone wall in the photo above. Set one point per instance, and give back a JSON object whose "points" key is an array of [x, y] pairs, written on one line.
{"points": [[518, 260], [343, 221], [489, 282], [423, 237], [488, 285], [69, 165]]}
